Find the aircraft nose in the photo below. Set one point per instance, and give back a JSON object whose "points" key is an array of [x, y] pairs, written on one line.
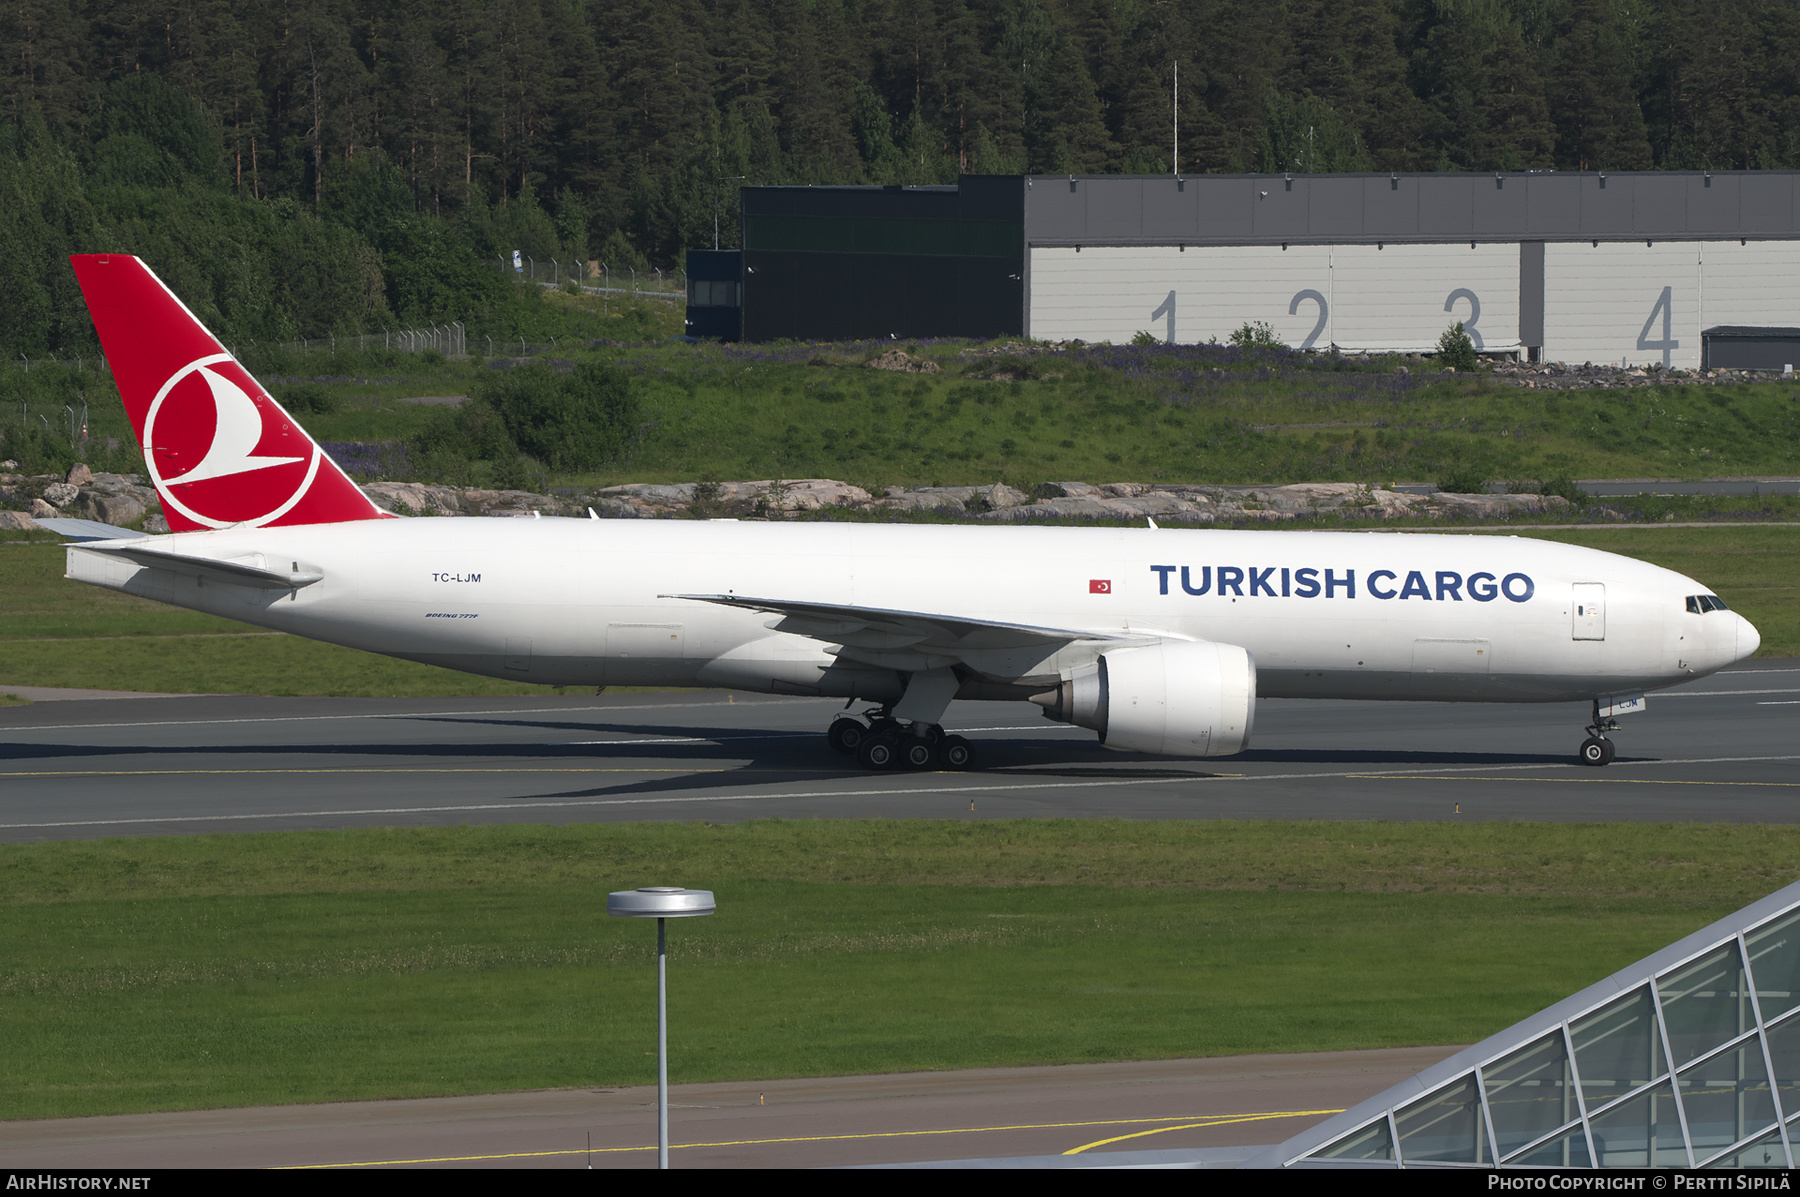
{"points": [[1748, 638]]}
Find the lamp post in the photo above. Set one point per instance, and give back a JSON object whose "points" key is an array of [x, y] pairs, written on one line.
{"points": [[661, 902]]}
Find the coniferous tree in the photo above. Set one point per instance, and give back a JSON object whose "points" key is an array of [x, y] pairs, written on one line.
{"points": [[1599, 125]]}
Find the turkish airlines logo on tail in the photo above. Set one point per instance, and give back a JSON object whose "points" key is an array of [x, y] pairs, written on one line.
{"points": [[220, 451]]}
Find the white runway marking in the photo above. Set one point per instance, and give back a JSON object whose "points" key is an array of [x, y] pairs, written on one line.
{"points": [[1661, 694], [651, 800], [654, 706]]}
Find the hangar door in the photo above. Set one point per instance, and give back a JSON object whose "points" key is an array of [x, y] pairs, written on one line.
{"points": [[1623, 303], [1111, 293], [1361, 298], [1756, 284], [1401, 298]]}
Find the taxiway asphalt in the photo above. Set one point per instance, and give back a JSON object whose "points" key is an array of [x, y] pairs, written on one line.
{"points": [[979, 1114], [1721, 749]]}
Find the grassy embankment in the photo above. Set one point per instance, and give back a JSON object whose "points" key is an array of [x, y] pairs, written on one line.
{"points": [[721, 413], [1154, 414], [61, 633], [172, 973]]}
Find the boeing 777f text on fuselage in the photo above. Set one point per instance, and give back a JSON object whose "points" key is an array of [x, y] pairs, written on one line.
{"points": [[1161, 640]]}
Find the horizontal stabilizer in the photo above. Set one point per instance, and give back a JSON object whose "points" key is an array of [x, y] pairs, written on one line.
{"points": [[79, 530], [237, 573]]}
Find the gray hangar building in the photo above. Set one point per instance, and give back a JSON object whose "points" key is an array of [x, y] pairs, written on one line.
{"points": [[1681, 269]]}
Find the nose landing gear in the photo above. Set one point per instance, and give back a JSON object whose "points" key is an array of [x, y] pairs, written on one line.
{"points": [[1597, 750], [883, 742]]}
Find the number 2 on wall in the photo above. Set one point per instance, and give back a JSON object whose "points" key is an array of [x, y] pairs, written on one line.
{"points": [[1324, 314]]}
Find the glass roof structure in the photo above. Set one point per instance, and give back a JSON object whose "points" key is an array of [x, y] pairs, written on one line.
{"points": [[1688, 1058]]}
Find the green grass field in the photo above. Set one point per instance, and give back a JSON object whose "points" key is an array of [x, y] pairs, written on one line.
{"points": [[175, 973]]}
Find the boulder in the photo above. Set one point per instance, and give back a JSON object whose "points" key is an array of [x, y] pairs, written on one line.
{"points": [[614, 509], [16, 521], [1154, 504], [126, 484], [653, 495], [41, 508], [957, 498], [79, 474], [794, 494], [511, 503], [60, 494], [899, 359], [415, 498], [119, 510]]}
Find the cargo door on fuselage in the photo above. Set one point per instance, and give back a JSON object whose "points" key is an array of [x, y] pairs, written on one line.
{"points": [[645, 641], [1452, 657], [1588, 611]]}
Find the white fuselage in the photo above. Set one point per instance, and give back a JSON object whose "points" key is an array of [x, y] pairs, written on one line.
{"points": [[1324, 614]]}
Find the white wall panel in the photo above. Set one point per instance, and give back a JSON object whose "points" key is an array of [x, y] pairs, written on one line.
{"points": [[1755, 284], [1622, 302], [1401, 298], [1103, 293], [1615, 302]]}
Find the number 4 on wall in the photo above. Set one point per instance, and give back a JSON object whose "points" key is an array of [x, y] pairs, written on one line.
{"points": [[1665, 305]]}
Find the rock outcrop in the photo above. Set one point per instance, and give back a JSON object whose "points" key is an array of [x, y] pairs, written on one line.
{"points": [[997, 502], [123, 500]]}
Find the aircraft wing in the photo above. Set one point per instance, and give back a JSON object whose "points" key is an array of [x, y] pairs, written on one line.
{"points": [[914, 640]]}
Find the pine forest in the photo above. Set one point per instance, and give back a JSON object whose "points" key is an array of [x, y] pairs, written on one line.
{"points": [[306, 168]]}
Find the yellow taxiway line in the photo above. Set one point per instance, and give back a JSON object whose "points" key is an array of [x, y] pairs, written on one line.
{"points": [[1216, 1120]]}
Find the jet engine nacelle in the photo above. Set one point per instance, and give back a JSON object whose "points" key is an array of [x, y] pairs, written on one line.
{"points": [[1174, 697]]}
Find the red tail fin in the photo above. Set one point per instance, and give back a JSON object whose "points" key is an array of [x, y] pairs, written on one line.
{"points": [[220, 451]]}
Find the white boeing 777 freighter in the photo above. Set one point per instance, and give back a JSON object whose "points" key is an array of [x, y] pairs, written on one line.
{"points": [[1161, 640]]}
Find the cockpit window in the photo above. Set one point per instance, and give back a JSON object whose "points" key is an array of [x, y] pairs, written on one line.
{"points": [[1700, 604]]}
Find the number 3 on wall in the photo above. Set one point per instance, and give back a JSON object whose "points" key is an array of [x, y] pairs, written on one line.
{"points": [[1474, 313]]}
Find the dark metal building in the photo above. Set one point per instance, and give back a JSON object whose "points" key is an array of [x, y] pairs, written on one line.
{"points": [[715, 303], [841, 263], [1732, 348], [1591, 266]]}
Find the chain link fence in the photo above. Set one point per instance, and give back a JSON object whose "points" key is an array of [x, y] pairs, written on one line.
{"points": [[596, 277]]}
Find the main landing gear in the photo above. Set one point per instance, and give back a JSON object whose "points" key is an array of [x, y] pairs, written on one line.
{"points": [[1597, 750], [883, 742]]}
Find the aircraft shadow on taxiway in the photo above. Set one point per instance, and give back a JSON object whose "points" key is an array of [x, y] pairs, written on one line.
{"points": [[802, 753], [1003, 760]]}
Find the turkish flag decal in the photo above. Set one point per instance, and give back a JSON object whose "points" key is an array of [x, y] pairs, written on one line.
{"points": [[1099, 586]]}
